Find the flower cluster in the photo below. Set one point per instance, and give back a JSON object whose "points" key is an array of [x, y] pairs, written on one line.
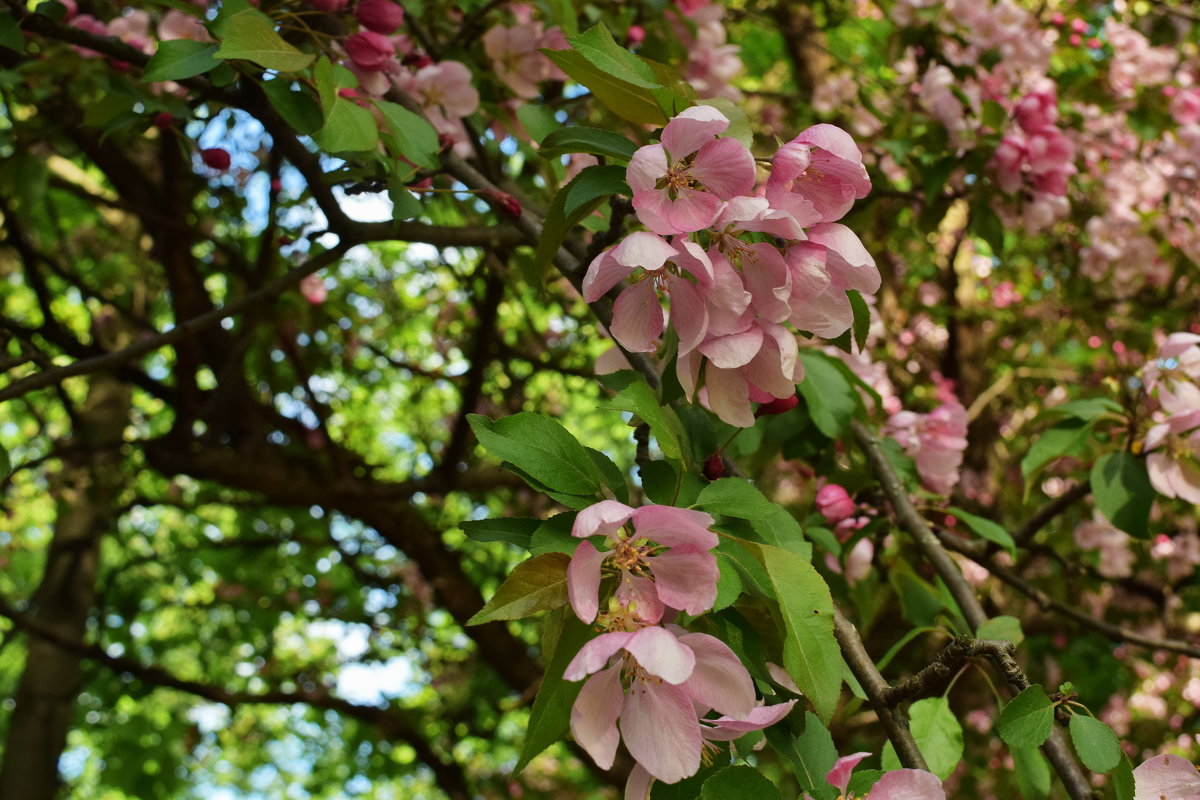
{"points": [[935, 441], [658, 681], [1173, 445], [1036, 159], [737, 263]]}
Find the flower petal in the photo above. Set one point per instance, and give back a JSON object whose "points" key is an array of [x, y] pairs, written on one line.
{"points": [[645, 250], [692, 210], [719, 680], [583, 581], [601, 519], [686, 578], [594, 716], [594, 655], [659, 653], [735, 349], [909, 784], [839, 776], [675, 526], [641, 594], [725, 167], [646, 166], [729, 396], [689, 314], [603, 273], [661, 730], [726, 729], [638, 318], [691, 129], [1167, 776]]}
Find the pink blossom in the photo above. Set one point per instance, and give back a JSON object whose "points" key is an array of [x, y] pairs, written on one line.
{"points": [[817, 176], [900, 784], [1173, 456], [312, 287], [370, 51], [1166, 777], [935, 441], [1175, 373], [679, 183], [178, 25], [834, 503], [1116, 559], [1036, 110], [1185, 106], [1008, 162], [638, 317], [516, 54], [665, 561], [672, 678]]}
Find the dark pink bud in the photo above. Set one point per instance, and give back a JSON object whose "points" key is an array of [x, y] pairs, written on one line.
{"points": [[778, 406], [328, 6], [1078, 26], [1059, 18], [381, 16], [163, 120], [834, 503], [417, 61], [636, 35], [370, 51], [216, 158], [714, 467], [72, 9], [1074, 39], [505, 203], [276, 185], [1095, 43]]}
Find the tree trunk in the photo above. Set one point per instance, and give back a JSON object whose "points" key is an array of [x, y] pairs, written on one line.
{"points": [[85, 491]]}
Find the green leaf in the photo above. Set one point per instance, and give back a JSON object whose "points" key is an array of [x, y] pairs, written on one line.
{"points": [[540, 447], [1067, 438], [578, 139], [177, 59], [592, 186], [739, 123], [736, 497], [729, 583], [1033, 773], [1122, 491], [810, 652], [514, 530], [554, 536], [414, 137], [1095, 743], [737, 783], [811, 753], [297, 107], [539, 584], [404, 204], [11, 37], [1027, 719], [782, 530], [1086, 409], [348, 128], [326, 87], [986, 224], [861, 781], [862, 318], [624, 83], [987, 529], [636, 396], [994, 115], [938, 735], [597, 45], [1122, 780], [249, 35], [831, 399], [610, 475], [538, 120], [551, 715], [1004, 628]]}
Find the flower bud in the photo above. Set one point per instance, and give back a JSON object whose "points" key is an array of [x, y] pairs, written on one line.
{"points": [[370, 51], [778, 406], [834, 503], [328, 6], [714, 467], [216, 158], [381, 16]]}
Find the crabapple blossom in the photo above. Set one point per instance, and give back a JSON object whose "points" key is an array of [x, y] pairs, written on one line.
{"points": [[900, 784], [1166, 777], [817, 176], [516, 55], [380, 16], [672, 678], [370, 51], [665, 561], [679, 184], [1173, 456], [935, 441], [834, 503]]}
